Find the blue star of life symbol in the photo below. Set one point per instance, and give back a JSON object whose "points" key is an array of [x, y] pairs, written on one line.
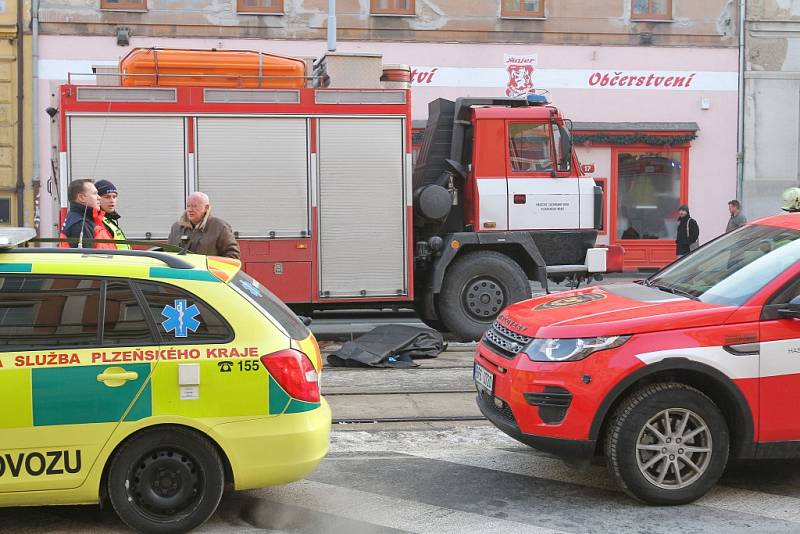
{"points": [[252, 289], [180, 318]]}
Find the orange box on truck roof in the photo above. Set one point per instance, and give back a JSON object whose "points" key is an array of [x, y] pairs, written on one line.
{"points": [[148, 67]]}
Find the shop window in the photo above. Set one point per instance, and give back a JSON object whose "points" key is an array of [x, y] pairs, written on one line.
{"points": [[522, 8], [260, 6], [43, 312], [602, 183], [392, 7], [651, 9], [529, 147], [124, 5], [648, 194]]}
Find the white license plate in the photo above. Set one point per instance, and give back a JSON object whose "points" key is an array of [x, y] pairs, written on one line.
{"points": [[483, 378]]}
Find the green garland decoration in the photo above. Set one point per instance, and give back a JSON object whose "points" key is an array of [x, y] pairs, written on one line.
{"points": [[633, 139]]}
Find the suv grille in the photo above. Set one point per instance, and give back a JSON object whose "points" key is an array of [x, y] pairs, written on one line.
{"points": [[504, 341]]}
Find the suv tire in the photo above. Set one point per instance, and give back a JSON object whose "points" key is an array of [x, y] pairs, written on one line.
{"points": [[667, 444]]}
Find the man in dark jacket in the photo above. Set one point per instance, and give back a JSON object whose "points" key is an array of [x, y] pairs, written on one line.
{"points": [[197, 231], [84, 220], [108, 203], [688, 232]]}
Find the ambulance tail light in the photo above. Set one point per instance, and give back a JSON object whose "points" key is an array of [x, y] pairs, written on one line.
{"points": [[295, 373]]}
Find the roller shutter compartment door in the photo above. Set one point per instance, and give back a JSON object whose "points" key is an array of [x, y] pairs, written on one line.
{"points": [[361, 208], [255, 170], [145, 159]]}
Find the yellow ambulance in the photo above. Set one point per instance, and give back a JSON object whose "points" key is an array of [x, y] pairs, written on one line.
{"points": [[151, 380]]}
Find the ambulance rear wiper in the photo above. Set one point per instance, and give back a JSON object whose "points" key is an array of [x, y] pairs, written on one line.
{"points": [[675, 291]]}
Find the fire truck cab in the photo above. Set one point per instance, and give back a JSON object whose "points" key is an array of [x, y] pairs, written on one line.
{"points": [[311, 164]]}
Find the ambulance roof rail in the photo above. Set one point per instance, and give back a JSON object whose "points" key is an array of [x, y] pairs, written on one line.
{"points": [[11, 237], [170, 260]]}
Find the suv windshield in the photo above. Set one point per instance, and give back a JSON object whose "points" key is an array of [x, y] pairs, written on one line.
{"points": [[733, 268], [263, 299]]}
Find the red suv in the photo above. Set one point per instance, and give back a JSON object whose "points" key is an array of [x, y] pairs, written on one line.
{"points": [[666, 378]]}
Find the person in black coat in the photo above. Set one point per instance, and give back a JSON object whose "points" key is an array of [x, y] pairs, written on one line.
{"points": [[688, 232]]}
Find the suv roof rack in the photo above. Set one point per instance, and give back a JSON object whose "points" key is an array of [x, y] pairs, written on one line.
{"points": [[170, 260]]}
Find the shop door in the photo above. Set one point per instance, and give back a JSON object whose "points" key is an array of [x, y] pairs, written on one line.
{"points": [[648, 187]]}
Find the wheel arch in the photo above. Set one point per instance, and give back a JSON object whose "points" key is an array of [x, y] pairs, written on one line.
{"points": [[518, 246], [226, 464], [711, 382]]}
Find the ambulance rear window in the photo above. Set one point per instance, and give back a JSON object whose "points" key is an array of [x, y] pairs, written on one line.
{"points": [[271, 305]]}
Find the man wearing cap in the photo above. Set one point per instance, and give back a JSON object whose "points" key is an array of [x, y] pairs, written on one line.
{"points": [[108, 203]]}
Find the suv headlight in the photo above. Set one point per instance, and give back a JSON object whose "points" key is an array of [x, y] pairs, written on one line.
{"points": [[571, 349]]}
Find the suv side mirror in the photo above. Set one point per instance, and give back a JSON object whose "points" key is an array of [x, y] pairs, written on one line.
{"points": [[791, 310]]}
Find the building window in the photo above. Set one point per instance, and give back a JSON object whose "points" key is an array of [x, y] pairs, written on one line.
{"points": [[651, 9], [124, 5], [522, 8], [391, 7], [260, 6]]}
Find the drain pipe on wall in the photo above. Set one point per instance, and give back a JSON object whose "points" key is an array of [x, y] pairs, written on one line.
{"points": [[35, 104], [331, 25], [20, 114], [740, 118]]}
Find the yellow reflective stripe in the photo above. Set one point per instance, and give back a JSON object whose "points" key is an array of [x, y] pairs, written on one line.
{"points": [[15, 398]]}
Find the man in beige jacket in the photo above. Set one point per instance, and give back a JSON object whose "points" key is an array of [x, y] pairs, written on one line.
{"points": [[197, 231]]}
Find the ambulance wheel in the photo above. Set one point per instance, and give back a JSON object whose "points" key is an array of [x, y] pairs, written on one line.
{"points": [[166, 481], [477, 286], [667, 444]]}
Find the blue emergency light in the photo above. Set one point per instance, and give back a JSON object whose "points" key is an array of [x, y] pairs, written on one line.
{"points": [[537, 100]]}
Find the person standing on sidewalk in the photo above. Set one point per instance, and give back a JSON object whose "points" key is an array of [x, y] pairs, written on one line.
{"points": [[197, 231], [688, 232], [108, 203], [737, 219], [84, 220]]}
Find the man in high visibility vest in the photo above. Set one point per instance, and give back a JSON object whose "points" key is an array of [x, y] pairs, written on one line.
{"points": [[108, 203]]}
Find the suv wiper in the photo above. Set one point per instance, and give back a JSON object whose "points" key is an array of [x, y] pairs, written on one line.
{"points": [[675, 291]]}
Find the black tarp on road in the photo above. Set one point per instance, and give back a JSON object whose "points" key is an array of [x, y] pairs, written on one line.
{"points": [[389, 346]]}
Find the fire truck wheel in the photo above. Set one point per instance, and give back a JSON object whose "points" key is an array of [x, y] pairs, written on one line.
{"points": [[420, 308], [667, 444], [477, 286], [166, 480]]}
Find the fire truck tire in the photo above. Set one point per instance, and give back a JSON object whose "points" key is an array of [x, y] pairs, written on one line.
{"points": [[420, 308], [166, 480], [476, 288], [667, 444]]}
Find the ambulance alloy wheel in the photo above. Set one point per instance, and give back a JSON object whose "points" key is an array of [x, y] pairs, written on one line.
{"points": [[166, 481], [667, 444], [477, 286]]}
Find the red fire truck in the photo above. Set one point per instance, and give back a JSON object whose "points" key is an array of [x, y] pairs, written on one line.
{"points": [[316, 179]]}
